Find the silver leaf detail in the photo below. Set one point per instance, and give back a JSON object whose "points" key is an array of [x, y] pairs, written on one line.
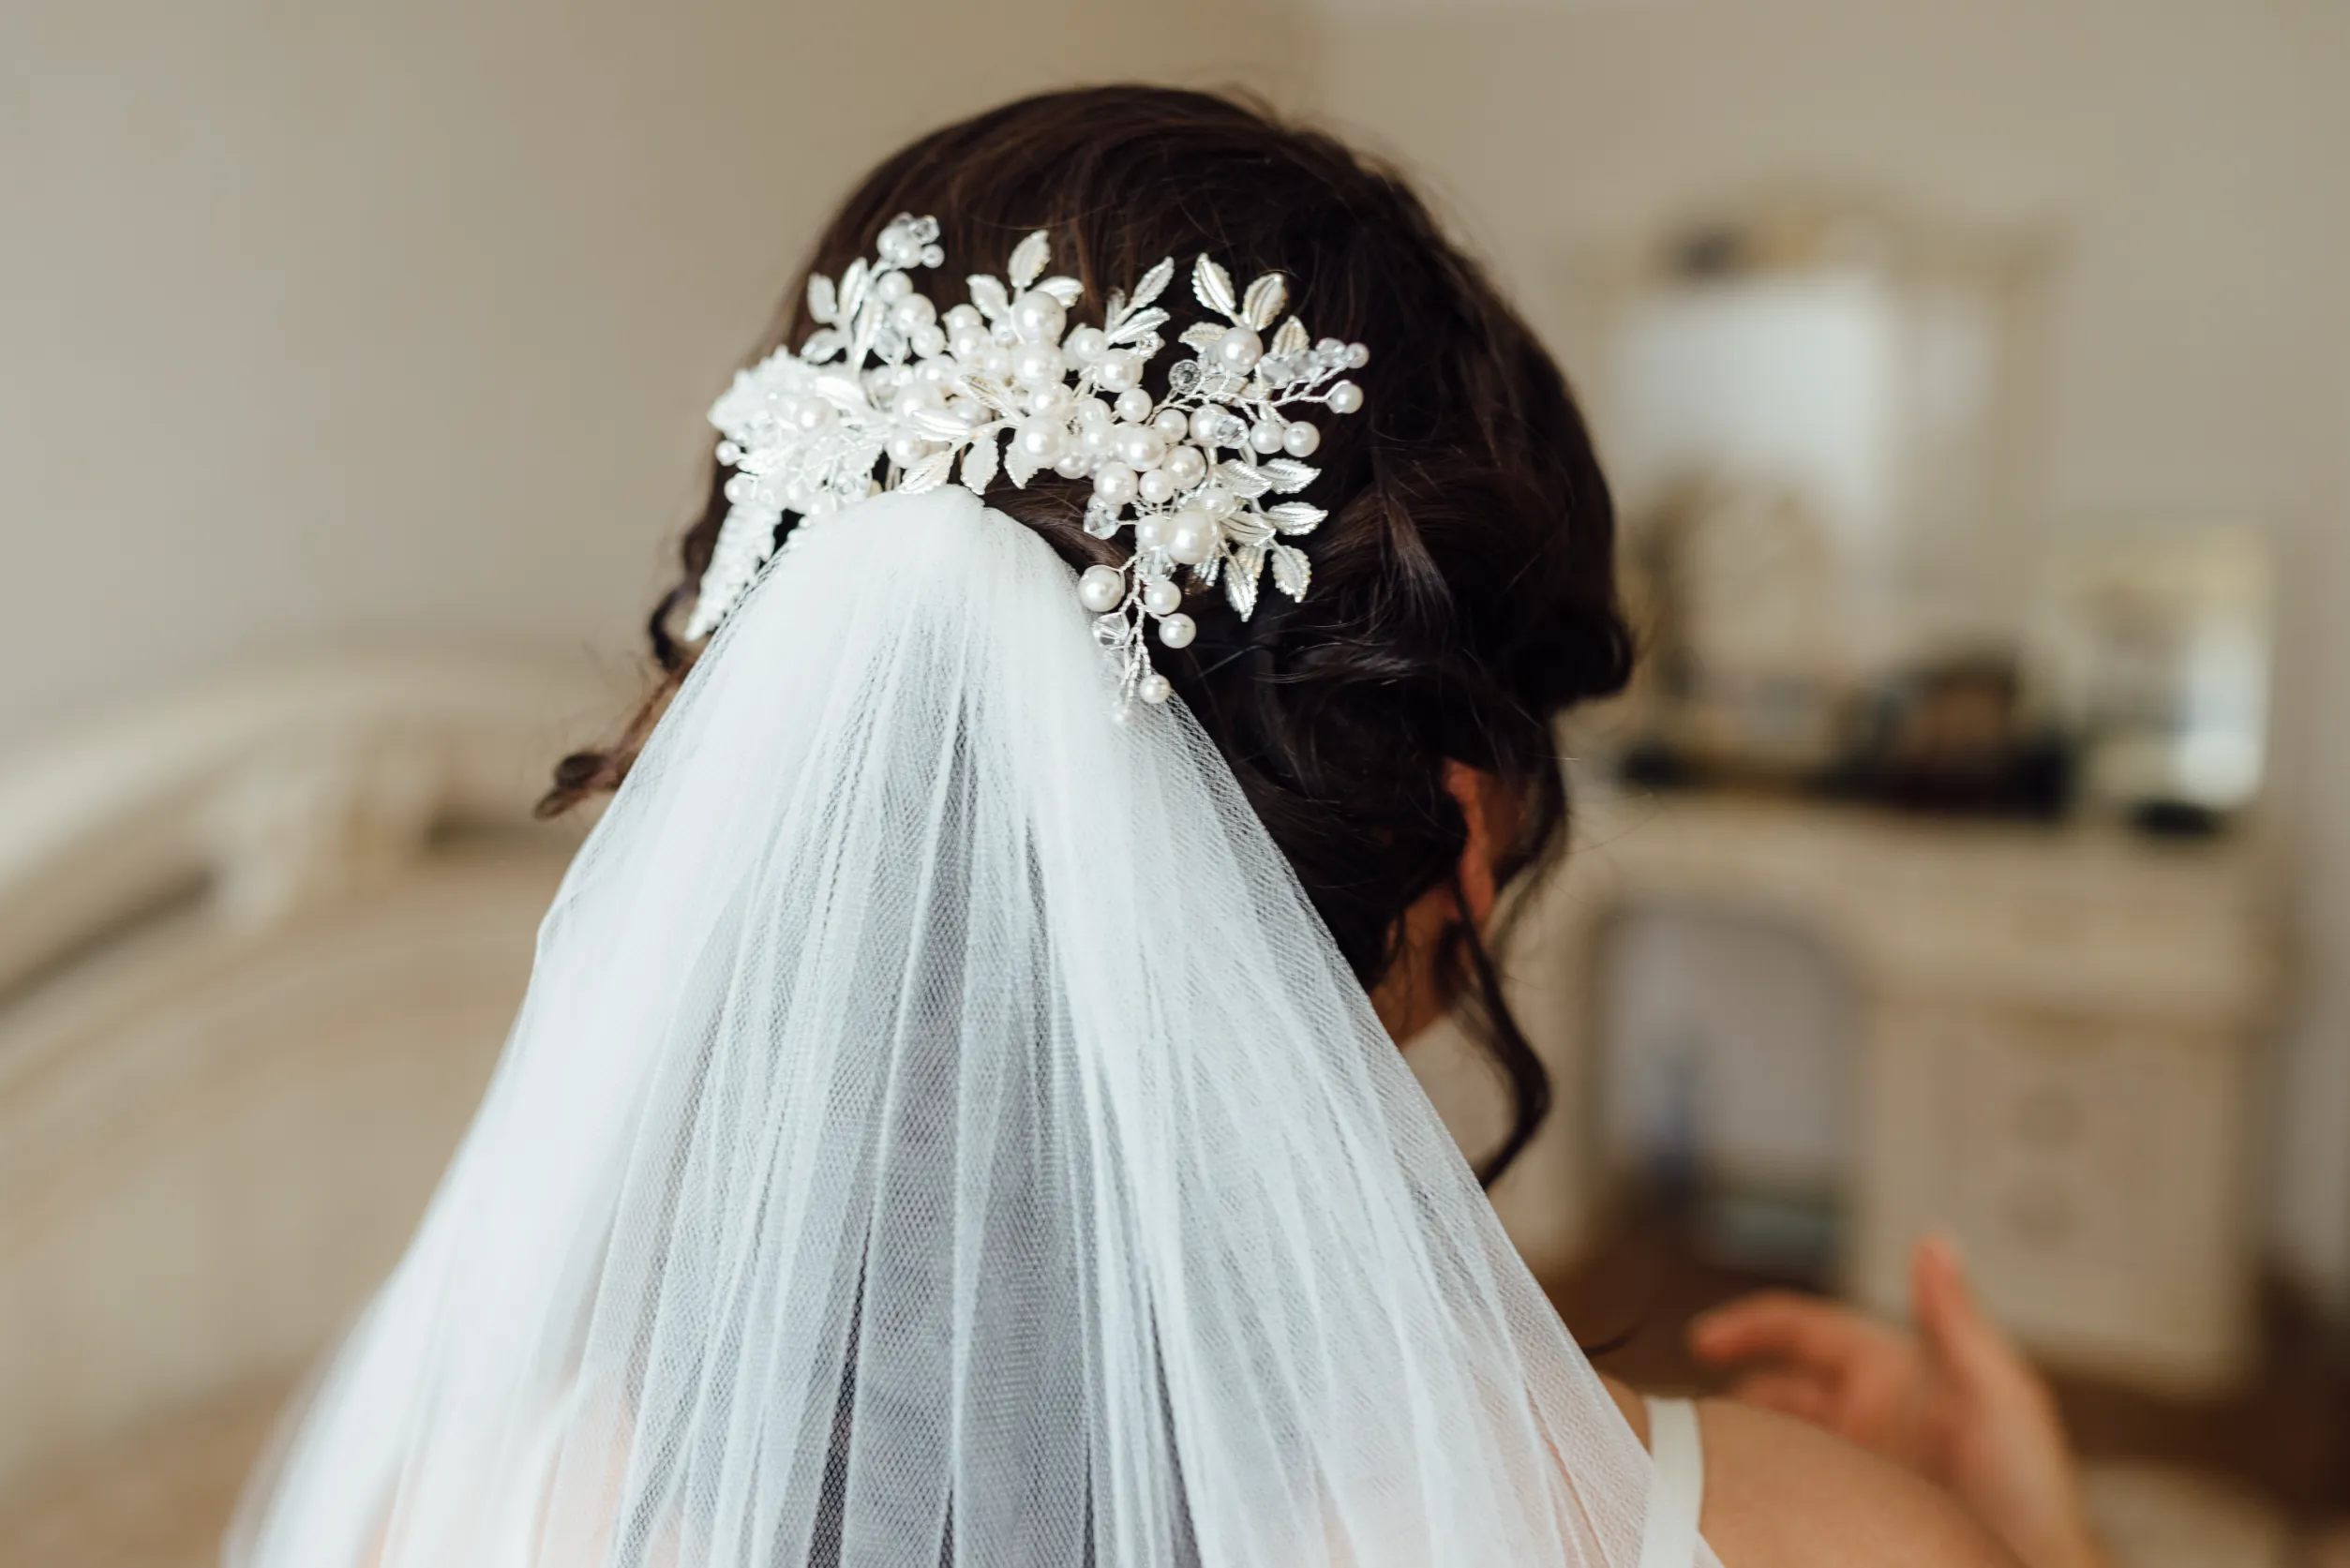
{"points": [[1242, 480], [1137, 324], [1290, 340], [1267, 296], [978, 465], [852, 289], [1201, 336], [1218, 385], [823, 344], [1240, 578], [1028, 258], [1291, 570], [928, 474], [940, 426], [1206, 572], [987, 395], [1019, 467], [824, 305], [845, 393], [1153, 283], [1067, 290], [1295, 516], [988, 294], [1250, 527], [1288, 473], [1213, 285]]}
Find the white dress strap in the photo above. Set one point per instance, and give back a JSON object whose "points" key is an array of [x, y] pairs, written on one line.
{"points": [[1671, 1539]]}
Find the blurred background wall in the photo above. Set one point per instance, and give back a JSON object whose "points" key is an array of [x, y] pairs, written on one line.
{"points": [[404, 317]]}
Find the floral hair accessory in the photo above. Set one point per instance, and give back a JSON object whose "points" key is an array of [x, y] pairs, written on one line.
{"points": [[886, 394]]}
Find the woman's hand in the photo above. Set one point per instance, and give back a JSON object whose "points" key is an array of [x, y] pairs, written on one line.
{"points": [[1954, 1401]]}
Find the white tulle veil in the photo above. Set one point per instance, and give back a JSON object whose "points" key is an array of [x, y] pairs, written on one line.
{"points": [[940, 1131]]}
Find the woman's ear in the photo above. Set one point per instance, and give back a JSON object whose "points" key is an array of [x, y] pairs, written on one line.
{"points": [[1475, 794]]}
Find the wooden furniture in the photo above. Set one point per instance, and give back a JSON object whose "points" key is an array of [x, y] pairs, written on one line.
{"points": [[2056, 1036]]}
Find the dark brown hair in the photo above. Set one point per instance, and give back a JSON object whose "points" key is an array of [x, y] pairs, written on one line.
{"points": [[1463, 586]]}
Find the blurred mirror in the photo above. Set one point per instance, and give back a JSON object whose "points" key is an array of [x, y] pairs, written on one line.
{"points": [[2152, 645]]}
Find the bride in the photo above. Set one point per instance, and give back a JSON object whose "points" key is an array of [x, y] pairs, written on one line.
{"points": [[955, 1118]]}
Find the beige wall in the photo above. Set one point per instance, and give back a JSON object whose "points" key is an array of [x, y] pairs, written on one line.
{"points": [[2186, 163], [336, 324], [345, 323]]}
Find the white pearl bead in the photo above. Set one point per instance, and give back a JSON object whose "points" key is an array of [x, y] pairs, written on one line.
{"points": [[1086, 344], [1357, 356], [1300, 439], [1190, 536], [1037, 317], [964, 318], [936, 370], [994, 361], [813, 415], [1073, 465], [1048, 397], [1185, 466], [1140, 446], [1133, 405], [1092, 411], [1097, 438], [1117, 370], [1216, 500], [899, 249], [1161, 597], [1158, 486], [1043, 440], [1208, 424], [928, 340], [1266, 436], [1101, 589], [1173, 423], [1240, 349], [1153, 689], [893, 287], [1344, 397], [1114, 483], [913, 312], [906, 451], [1176, 631], [968, 344], [1150, 530], [1035, 364]]}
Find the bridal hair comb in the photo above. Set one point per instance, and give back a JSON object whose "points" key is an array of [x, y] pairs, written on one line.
{"points": [[886, 394]]}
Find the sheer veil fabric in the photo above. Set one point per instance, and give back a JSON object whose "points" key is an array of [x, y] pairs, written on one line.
{"points": [[940, 1131]]}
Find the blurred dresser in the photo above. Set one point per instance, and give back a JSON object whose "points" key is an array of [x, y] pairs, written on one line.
{"points": [[2054, 1046]]}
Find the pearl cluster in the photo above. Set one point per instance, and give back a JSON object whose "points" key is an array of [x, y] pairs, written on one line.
{"points": [[1003, 384]]}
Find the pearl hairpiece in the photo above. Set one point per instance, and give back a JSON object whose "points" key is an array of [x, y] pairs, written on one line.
{"points": [[885, 382]]}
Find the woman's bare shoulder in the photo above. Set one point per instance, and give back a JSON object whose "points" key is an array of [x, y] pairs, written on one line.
{"points": [[1780, 1491]]}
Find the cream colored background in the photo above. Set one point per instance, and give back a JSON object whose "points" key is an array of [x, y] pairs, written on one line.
{"points": [[332, 324]]}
